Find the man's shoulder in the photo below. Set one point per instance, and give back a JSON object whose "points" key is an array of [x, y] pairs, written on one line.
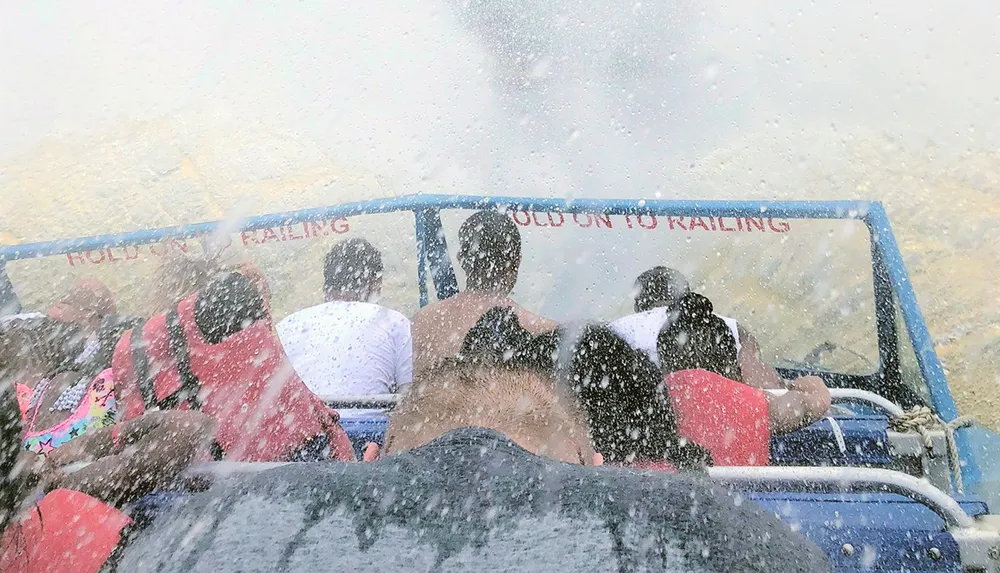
{"points": [[531, 321], [305, 315], [397, 321], [339, 309], [432, 310]]}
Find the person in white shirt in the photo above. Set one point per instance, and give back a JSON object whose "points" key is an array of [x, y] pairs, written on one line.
{"points": [[659, 290], [350, 346]]}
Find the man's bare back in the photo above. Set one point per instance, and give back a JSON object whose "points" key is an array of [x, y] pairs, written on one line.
{"points": [[440, 328], [490, 254]]}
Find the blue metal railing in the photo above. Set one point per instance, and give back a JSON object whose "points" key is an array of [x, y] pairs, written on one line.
{"points": [[780, 209], [872, 213]]}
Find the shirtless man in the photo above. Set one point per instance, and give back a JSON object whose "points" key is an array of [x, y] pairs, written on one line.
{"points": [[490, 254]]}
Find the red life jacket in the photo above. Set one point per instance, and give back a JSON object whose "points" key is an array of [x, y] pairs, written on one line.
{"points": [[727, 418], [262, 409], [74, 533]]}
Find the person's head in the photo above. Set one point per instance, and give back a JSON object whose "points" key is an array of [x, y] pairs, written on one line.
{"points": [[659, 286], [526, 406], [697, 338], [352, 271], [489, 250], [622, 392], [87, 303], [38, 346], [229, 303], [177, 277]]}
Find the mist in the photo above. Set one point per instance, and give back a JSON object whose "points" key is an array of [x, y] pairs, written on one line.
{"points": [[516, 96], [117, 116]]}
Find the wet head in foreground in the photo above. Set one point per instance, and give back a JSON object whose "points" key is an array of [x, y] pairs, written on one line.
{"points": [[449, 498]]}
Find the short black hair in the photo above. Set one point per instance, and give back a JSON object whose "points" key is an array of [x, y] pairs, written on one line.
{"points": [[226, 306], [352, 265], [659, 286], [489, 249], [697, 338]]}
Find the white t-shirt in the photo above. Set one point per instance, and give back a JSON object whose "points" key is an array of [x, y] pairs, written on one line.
{"points": [[641, 329], [349, 348]]}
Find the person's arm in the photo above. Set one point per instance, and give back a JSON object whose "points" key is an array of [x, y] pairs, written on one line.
{"points": [[756, 372], [806, 401], [404, 356], [423, 347], [133, 458]]}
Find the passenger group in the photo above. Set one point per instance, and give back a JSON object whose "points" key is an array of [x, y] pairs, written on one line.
{"points": [[100, 409]]}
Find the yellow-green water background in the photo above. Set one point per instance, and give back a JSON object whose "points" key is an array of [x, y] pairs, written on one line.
{"points": [[117, 116], [945, 211]]}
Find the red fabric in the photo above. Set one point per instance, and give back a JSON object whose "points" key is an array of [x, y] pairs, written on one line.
{"points": [[161, 365], [263, 410], [23, 398], [727, 418], [75, 533]]}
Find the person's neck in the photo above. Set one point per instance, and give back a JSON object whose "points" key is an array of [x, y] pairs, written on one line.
{"points": [[343, 296], [494, 292]]}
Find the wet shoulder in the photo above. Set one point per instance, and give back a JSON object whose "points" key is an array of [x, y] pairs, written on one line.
{"points": [[532, 322], [470, 501]]}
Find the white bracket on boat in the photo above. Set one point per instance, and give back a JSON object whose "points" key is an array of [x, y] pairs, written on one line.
{"points": [[853, 480], [373, 401]]}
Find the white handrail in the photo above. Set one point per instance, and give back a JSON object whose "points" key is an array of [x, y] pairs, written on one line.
{"points": [[854, 395], [892, 409], [856, 480], [836, 395], [814, 479]]}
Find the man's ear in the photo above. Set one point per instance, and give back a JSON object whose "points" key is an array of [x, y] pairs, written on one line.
{"points": [[598, 459], [371, 452]]}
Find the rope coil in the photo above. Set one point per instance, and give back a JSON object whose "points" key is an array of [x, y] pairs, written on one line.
{"points": [[921, 419]]}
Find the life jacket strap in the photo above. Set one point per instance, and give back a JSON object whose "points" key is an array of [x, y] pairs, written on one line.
{"points": [[190, 385], [140, 365]]}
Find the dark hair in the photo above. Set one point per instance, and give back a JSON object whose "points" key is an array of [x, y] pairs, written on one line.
{"points": [[226, 306], [499, 340], [619, 389], [697, 338], [10, 448], [56, 344], [659, 286], [489, 250], [353, 265], [622, 392]]}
